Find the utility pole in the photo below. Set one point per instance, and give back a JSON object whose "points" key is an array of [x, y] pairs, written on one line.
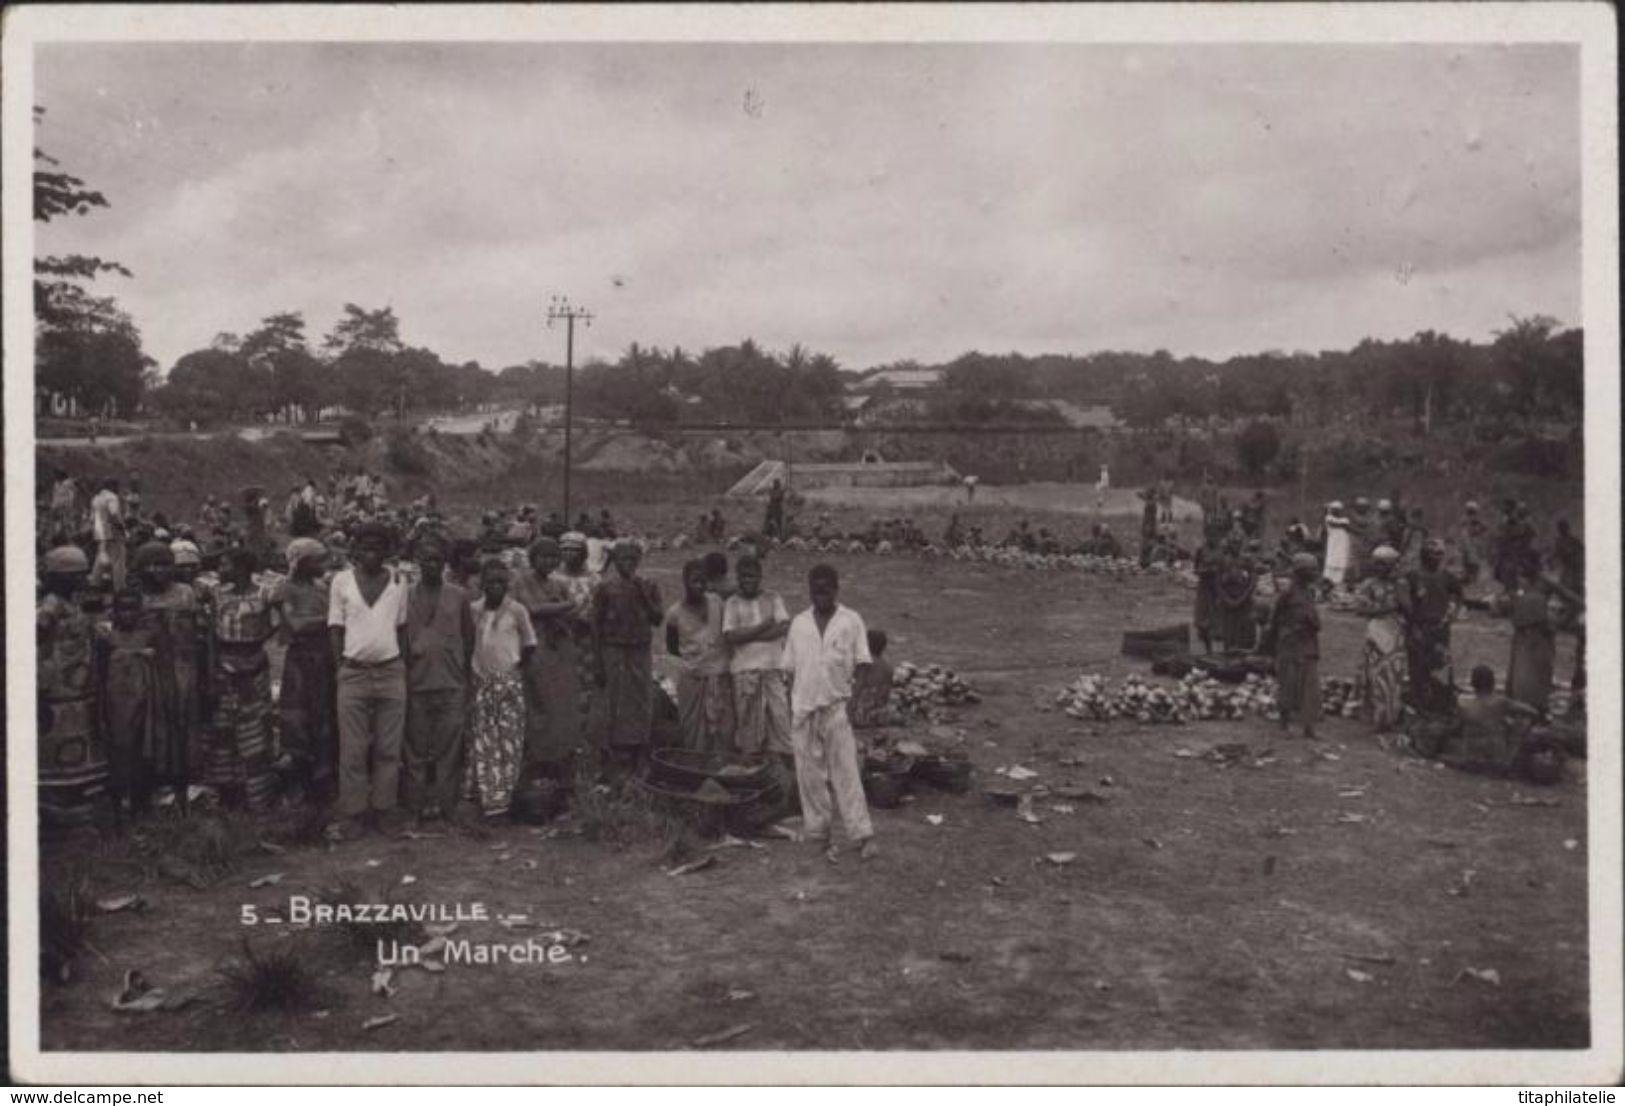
{"points": [[559, 308]]}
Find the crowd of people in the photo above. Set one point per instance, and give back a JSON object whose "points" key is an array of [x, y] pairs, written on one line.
{"points": [[425, 675], [1382, 562], [430, 674]]}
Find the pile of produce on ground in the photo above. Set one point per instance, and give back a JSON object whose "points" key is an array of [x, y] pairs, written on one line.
{"points": [[1005, 556], [1193, 698], [916, 689]]}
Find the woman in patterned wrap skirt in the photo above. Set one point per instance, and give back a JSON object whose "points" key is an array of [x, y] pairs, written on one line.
{"points": [[242, 755]]}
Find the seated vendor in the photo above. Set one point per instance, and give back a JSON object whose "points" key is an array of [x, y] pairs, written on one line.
{"points": [[1491, 728]]}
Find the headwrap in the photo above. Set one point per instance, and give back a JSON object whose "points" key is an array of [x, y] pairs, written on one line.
{"points": [[574, 539], [1385, 505], [186, 552], [1433, 546], [1335, 505], [153, 553], [300, 548], [1304, 562], [1472, 507], [66, 559], [1385, 554], [1361, 501]]}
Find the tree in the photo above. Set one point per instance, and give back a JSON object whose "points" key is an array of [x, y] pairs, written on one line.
{"points": [[1257, 445], [298, 383], [359, 328], [366, 348], [1544, 375], [92, 354], [215, 385], [86, 348]]}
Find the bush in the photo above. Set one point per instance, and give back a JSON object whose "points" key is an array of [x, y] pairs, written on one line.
{"points": [[1256, 446], [277, 980], [355, 430], [404, 454], [1533, 456]]}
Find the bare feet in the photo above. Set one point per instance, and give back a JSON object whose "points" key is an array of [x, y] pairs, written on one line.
{"points": [[832, 854], [868, 850]]}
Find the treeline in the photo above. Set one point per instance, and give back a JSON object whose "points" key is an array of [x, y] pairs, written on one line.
{"points": [[739, 384], [1532, 370], [89, 351], [361, 365]]}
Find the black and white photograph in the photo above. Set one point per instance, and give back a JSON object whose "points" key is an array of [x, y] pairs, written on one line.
{"points": [[692, 537]]}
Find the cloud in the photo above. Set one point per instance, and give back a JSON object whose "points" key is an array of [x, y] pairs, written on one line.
{"points": [[875, 202]]}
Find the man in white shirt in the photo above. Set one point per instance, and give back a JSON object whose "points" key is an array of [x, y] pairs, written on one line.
{"points": [[367, 619], [107, 525], [825, 645]]}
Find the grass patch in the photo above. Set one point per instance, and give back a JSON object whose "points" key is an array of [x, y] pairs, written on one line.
{"points": [[625, 816], [278, 981]]}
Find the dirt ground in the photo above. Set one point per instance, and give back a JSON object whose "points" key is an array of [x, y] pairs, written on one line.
{"points": [[1208, 907]]}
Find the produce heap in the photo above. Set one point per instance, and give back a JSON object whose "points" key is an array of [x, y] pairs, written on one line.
{"points": [[917, 690], [1004, 556], [1194, 698]]}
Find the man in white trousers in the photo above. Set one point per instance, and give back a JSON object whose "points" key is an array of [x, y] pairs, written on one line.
{"points": [[825, 646]]}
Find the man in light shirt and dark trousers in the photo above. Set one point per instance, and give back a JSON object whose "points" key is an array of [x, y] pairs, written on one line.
{"points": [[367, 617], [824, 647]]}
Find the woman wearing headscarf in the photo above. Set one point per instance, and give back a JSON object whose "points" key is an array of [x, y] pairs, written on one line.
{"points": [[188, 559], [1336, 527], [73, 767], [1382, 669], [1237, 581], [1429, 600], [579, 584], [308, 704], [172, 614], [128, 659], [241, 620], [553, 691]]}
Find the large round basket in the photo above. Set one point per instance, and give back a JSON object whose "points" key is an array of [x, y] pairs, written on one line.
{"points": [[685, 770]]}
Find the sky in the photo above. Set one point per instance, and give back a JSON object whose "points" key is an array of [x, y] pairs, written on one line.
{"points": [[873, 202]]}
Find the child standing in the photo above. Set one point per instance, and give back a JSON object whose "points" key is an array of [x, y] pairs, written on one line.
{"points": [[503, 643], [1295, 628], [127, 660], [704, 689], [625, 610], [871, 697], [826, 644]]}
